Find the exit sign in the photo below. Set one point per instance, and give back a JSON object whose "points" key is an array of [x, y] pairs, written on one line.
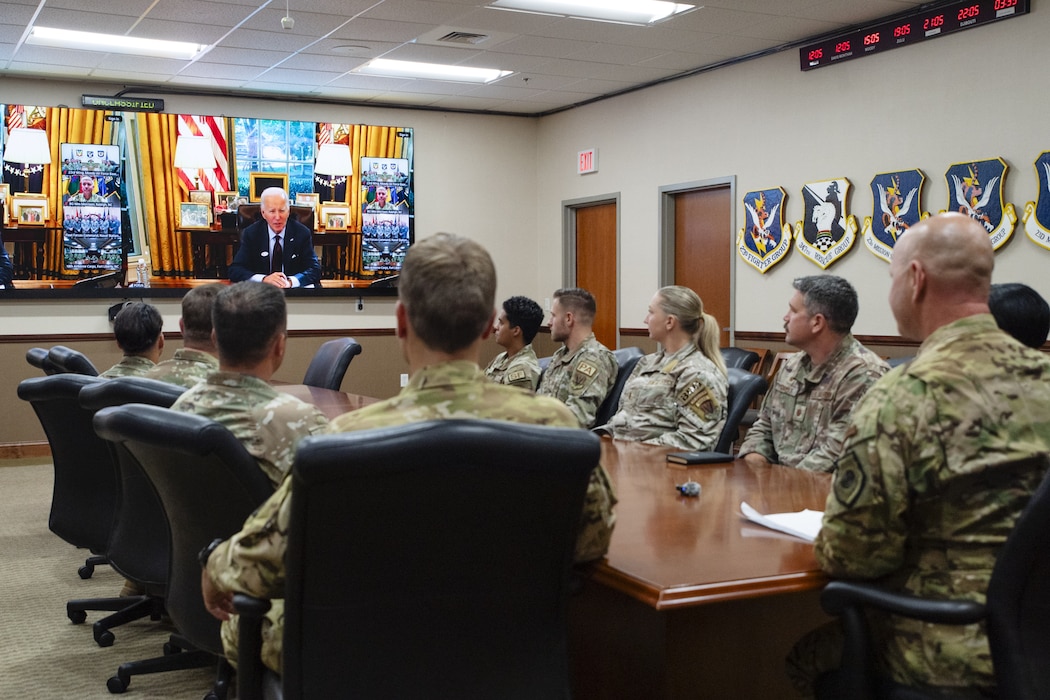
{"points": [[587, 161]]}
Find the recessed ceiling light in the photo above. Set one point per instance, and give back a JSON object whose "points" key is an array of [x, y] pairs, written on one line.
{"points": [[112, 43], [639, 12], [431, 71]]}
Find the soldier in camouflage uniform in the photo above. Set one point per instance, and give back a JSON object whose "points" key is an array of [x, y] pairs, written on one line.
{"points": [[445, 310], [516, 326], [250, 324], [137, 329], [581, 372], [804, 415], [940, 459], [677, 396], [196, 359]]}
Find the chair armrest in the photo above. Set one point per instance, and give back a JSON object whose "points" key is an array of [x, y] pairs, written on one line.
{"points": [[839, 595], [250, 669]]}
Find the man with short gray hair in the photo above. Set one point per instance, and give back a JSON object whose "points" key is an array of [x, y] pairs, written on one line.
{"points": [[803, 418]]}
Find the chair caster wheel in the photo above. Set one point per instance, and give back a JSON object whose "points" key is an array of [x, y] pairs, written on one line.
{"points": [[105, 638], [86, 571], [117, 685], [170, 649], [77, 617], [211, 696]]}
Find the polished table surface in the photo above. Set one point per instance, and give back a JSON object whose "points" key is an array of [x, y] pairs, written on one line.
{"points": [[332, 403], [670, 550], [692, 600]]}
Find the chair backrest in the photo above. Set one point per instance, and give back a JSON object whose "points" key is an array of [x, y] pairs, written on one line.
{"points": [[743, 388], [1018, 613], [626, 359], [895, 361], [455, 543], [138, 545], [739, 358], [249, 212], [208, 484], [70, 360], [84, 495], [38, 358], [329, 363]]}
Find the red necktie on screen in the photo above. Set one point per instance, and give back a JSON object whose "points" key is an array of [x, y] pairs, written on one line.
{"points": [[277, 259]]}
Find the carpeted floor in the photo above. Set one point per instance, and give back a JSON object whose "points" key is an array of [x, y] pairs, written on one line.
{"points": [[42, 654]]}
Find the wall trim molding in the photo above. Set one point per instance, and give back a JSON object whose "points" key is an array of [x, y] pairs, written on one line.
{"points": [[24, 450], [67, 338]]}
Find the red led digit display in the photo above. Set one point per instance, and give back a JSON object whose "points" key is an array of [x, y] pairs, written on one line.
{"points": [[908, 29]]}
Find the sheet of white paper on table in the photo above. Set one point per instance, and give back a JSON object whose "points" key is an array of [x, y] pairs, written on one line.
{"points": [[804, 524]]}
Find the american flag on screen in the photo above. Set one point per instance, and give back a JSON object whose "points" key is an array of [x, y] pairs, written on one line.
{"points": [[217, 180]]}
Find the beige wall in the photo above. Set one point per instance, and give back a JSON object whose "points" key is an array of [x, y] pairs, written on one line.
{"points": [[973, 95]]}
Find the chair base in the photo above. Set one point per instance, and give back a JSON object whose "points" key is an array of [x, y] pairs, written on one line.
{"points": [[126, 609], [175, 659], [90, 563]]}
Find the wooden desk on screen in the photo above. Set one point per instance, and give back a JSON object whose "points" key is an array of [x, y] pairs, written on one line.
{"points": [[693, 601], [27, 263], [331, 403]]}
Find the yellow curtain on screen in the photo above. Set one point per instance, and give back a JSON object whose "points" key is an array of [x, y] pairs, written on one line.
{"points": [[169, 250]]}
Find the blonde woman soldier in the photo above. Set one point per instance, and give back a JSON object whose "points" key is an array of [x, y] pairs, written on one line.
{"points": [[676, 396]]}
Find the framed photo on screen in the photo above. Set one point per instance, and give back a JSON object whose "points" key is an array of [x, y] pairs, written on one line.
{"points": [[194, 215], [260, 181]]}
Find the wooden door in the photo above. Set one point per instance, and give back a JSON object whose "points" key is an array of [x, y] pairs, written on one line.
{"points": [[596, 265], [703, 249]]}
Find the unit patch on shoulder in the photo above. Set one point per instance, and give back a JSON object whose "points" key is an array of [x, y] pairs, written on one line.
{"points": [[697, 397], [850, 480], [516, 376], [582, 375]]}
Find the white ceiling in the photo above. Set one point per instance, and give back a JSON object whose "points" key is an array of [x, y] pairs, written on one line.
{"points": [[557, 62]]}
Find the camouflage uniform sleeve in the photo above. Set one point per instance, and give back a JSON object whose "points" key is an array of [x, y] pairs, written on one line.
{"points": [[759, 437], [252, 561], [597, 519], [850, 391], [864, 530], [284, 422], [591, 378], [700, 410]]}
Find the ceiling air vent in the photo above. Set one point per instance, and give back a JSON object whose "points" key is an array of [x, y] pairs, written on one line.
{"points": [[464, 38]]}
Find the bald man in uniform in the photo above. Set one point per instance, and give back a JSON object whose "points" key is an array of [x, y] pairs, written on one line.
{"points": [[941, 457]]}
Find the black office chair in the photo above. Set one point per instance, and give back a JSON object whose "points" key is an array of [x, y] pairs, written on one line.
{"points": [[70, 360], [743, 388], [249, 213], [208, 484], [626, 359], [455, 542], [739, 358], [84, 495], [1016, 615], [329, 363], [37, 357], [138, 545]]}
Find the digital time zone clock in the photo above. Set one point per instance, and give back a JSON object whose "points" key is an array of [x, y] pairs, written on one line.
{"points": [[910, 29]]}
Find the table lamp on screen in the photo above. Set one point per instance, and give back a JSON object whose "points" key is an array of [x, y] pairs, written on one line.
{"points": [[29, 147]]}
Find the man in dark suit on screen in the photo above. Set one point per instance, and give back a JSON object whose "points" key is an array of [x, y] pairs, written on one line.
{"points": [[276, 250]]}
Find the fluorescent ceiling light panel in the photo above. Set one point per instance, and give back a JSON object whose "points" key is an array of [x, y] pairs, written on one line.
{"points": [[641, 12], [112, 43], [431, 71]]}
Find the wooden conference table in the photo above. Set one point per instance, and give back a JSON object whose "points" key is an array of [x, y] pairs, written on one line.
{"points": [[692, 600], [331, 403]]}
